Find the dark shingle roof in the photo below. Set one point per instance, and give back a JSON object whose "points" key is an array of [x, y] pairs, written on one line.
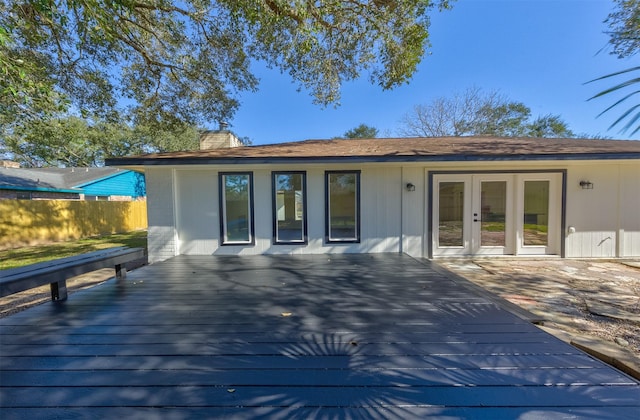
{"points": [[401, 149]]}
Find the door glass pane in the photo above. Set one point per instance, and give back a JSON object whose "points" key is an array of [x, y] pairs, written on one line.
{"points": [[236, 208], [289, 207], [451, 210], [343, 206], [493, 204], [536, 212]]}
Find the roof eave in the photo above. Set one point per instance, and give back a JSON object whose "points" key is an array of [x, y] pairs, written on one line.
{"points": [[146, 161], [40, 189]]}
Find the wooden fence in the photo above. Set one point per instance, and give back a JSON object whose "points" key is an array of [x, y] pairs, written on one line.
{"points": [[25, 222]]}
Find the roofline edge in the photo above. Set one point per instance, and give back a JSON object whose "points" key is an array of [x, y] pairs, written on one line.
{"points": [[366, 159]]}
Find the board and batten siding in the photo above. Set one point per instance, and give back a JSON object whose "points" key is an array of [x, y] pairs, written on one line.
{"points": [[414, 212], [197, 212], [197, 217], [161, 235], [630, 210], [183, 208], [381, 202], [604, 221]]}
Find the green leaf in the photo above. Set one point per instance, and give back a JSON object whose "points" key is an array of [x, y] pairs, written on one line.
{"points": [[98, 54]]}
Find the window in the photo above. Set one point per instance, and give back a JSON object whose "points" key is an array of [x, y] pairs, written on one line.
{"points": [[289, 208], [342, 206], [536, 213], [451, 214], [236, 208], [493, 217], [96, 198]]}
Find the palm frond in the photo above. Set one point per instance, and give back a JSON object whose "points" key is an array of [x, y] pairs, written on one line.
{"points": [[614, 74], [617, 87], [632, 121], [629, 113], [618, 102]]}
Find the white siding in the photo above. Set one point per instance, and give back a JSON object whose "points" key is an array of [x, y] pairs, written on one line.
{"points": [[197, 220], [606, 218], [380, 205], [414, 212], [262, 211], [184, 218], [381, 209], [315, 204], [197, 213], [261, 215], [161, 236], [630, 210]]}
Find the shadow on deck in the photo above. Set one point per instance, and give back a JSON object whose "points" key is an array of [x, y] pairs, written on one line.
{"points": [[324, 336]]}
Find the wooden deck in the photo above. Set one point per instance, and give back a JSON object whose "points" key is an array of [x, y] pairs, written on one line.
{"points": [[326, 336]]}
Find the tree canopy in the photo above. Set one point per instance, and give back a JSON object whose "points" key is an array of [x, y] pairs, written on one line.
{"points": [[477, 113], [624, 28], [188, 61], [362, 131], [81, 80], [72, 141]]}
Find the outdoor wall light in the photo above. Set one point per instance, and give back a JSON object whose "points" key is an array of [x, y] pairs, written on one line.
{"points": [[586, 185], [410, 187]]}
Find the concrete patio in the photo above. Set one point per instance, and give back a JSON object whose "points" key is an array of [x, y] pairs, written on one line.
{"points": [[324, 336]]}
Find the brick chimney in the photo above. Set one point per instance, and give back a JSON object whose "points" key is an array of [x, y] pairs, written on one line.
{"points": [[219, 139]]}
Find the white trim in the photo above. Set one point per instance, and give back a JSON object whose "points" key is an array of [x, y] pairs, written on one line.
{"points": [[223, 205], [465, 247], [514, 217], [174, 193], [476, 227], [554, 213], [356, 200]]}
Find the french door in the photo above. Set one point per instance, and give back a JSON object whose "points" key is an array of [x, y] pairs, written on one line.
{"points": [[496, 214]]}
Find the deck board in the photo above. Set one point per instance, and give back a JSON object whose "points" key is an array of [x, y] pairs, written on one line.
{"points": [[346, 336], [297, 412]]}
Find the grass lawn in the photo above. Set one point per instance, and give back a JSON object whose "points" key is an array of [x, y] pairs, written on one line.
{"points": [[18, 257]]}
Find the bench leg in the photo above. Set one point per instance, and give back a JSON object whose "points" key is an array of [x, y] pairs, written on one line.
{"points": [[59, 290], [121, 272]]}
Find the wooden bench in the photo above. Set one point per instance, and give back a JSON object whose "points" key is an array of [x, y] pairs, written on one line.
{"points": [[56, 272]]}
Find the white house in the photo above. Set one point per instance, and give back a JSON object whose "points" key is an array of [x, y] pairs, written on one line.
{"points": [[426, 197]]}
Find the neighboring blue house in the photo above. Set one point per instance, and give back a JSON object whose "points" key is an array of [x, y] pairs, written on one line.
{"points": [[123, 183], [109, 184]]}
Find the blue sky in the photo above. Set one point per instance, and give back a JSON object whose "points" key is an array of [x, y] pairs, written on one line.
{"points": [[539, 52]]}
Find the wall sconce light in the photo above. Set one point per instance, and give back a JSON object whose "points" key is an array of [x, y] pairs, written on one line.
{"points": [[586, 185], [410, 187]]}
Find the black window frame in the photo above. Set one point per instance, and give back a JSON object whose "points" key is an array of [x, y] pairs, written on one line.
{"points": [[274, 213], [327, 212], [222, 205]]}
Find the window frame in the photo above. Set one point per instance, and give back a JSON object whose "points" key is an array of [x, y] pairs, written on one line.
{"points": [[327, 208], [274, 203], [223, 210]]}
